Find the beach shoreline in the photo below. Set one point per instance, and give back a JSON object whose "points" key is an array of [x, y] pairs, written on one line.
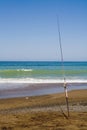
{"points": [[36, 89], [75, 96]]}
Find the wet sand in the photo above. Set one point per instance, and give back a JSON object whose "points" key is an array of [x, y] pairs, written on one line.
{"points": [[22, 90]]}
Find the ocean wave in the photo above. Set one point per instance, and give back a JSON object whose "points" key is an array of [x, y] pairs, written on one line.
{"points": [[30, 73], [35, 81], [24, 69]]}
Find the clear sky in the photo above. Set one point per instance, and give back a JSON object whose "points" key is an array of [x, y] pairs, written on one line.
{"points": [[28, 29]]}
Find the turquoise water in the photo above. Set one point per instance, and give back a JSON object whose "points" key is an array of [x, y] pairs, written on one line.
{"points": [[42, 70], [19, 75]]}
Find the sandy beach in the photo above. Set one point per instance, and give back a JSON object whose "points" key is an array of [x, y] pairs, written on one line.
{"points": [[43, 64], [44, 112]]}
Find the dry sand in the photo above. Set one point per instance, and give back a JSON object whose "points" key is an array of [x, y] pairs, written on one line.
{"points": [[44, 112]]}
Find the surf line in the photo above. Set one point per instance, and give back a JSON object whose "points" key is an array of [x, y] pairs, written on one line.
{"points": [[63, 70]]}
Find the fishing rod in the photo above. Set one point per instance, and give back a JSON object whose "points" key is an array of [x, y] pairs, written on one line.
{"points": [[63, 72]]}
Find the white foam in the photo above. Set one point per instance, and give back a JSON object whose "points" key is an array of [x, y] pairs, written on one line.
{"points": [[35, 81], [24, 70]]}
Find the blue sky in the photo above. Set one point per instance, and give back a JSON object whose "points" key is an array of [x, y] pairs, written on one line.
{"points": [[28, 29]]}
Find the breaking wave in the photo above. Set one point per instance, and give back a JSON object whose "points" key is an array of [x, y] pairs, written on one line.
{"points": [[34, 81]]}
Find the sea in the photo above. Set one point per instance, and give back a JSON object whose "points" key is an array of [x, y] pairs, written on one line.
{"points": [[19, 74]]}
